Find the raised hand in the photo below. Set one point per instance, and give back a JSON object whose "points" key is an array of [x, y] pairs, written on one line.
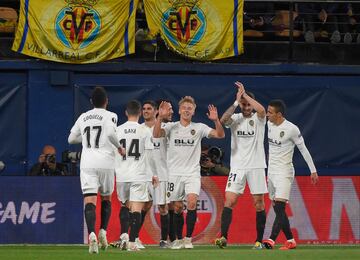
{"points": [[213, 114], [241, 90], [164, 109]]}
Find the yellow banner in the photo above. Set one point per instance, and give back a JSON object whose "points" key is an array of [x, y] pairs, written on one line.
{"points": [[198, 29], [76, 31]]}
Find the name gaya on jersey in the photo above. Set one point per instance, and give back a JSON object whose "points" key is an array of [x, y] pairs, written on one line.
{"points": [[136, 139], [184, 149], [282, 140], [247, 142], [94, 127]]}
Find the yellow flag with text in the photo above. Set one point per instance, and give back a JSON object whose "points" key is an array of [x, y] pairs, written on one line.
{"points": [[76, 31], [198, 29]]}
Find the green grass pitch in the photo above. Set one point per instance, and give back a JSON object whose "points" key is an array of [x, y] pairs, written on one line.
{"points": [[75, 252]]}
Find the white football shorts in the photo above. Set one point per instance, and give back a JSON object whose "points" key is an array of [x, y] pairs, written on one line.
{"points": [[279, 186], [254, 177], [180, 186], [97, 180]]}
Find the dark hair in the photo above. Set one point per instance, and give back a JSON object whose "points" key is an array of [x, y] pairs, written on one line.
{"points": [[279, 106], [98, 97], [151, 103], [133, 108]]}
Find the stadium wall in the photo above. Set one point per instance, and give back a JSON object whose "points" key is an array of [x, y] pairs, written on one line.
{"points": [[39, 102]]}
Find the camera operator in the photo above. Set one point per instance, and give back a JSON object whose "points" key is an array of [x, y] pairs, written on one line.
{"points": [[47, 165], [211, 161]]}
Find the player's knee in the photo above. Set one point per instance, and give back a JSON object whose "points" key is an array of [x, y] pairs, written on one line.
{"points": [[178, 208], [163, 210], [259, 205], [230, 202]]}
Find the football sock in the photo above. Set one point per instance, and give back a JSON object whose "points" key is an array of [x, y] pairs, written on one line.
{"points": [[179, 224], [105, 213], [171, 226], [143, 215], [283, 220], [190, 222], [276, 228], [226, 218], [124, 219], [164, 221], [260, 224], [90, 217], [135, 221]]}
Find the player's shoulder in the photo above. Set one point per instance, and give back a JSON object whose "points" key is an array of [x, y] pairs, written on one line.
{"points": [[290, 125]]}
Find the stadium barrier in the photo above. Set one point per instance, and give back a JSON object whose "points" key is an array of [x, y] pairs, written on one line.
{"points": [[49, 210]]}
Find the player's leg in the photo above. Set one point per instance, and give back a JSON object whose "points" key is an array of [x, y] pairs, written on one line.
{"points": [[281, 198], [123, 195], [135, 222], [257, 184], [234, 188], [176, 190], [172, 235], [106, 179], [161, 201], [89, 187], [138, 197], [192, 191], [276, 228]]}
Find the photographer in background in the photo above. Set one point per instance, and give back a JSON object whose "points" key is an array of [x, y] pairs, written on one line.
{"points": [[211, 161], [47, 165]]}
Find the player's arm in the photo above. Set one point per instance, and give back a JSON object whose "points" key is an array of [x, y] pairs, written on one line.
{"points": [[260, 110], [75, 134], [218, 132], [226, 117], [163, 112], [300, 144]]}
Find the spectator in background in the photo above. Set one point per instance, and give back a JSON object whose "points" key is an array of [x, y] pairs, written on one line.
{"points": [[211, 161], [353, 13], [47, 165], [319, 16], [258, 16]]}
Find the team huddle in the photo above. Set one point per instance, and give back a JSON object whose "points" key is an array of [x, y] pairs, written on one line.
{"points": [[157, 163]]}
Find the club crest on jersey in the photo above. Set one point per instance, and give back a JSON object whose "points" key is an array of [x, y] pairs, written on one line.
{"points": [[251, 122], [193, 132], [168, 194], [282, 133], [113, 120], [229, 184]]}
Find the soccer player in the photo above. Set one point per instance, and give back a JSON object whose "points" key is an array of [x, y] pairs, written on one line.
{"points": [[247, 161], [283, 136], [160, 198], [149, 111], [96, 130], [184, 158], [131, 173]]}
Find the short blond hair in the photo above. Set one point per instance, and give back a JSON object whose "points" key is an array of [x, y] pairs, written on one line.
{"points": [[188, 99]]}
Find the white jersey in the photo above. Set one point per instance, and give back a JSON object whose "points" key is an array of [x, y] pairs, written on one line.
{"points": [[282, 140], [247, 142], [136, 139], [184, 149], [160, 157], [95, 126], [149, 158]]}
